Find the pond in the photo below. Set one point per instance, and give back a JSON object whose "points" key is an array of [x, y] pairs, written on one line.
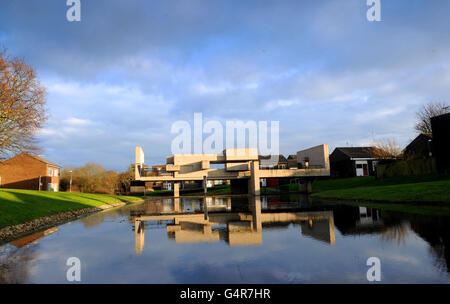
{"points": [[275, 239]]}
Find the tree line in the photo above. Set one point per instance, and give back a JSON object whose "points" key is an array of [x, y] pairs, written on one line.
{"points": [[94, 178]]}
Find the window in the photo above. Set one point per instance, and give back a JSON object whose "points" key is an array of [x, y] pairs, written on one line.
{"points": [[359, 166], [50, 172], [56, 172]]}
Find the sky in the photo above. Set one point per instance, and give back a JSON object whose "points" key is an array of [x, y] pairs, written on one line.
{"points": [[130, 69]]}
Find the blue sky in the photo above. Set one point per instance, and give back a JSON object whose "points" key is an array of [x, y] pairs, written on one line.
{"points": [[129, 69]]}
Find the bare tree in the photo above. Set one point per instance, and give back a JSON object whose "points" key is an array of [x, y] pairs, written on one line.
{"points": [[429, 110], [22, 105]]}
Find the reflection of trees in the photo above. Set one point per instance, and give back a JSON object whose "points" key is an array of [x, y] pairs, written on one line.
{"points": [[93, 220], [396, 226], [96, 219], [441, 257], [436, 232], [397, 233], [14, 264]]}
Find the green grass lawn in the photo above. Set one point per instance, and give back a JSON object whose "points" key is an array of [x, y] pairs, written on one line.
{"points": [[405, 189], [370, 181], [20, 206]]}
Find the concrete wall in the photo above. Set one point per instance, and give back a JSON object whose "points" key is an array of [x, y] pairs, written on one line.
{"points": [[139, 155], [318, 157]]}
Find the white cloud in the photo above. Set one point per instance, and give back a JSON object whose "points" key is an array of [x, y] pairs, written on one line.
{"points": [[76, 122]]}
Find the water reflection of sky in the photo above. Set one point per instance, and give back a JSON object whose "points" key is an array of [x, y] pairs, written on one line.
{"points": [[105, 244]]}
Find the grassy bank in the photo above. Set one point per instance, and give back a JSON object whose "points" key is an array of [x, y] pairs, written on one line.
{"points": [[20, 206], [404, 189]]}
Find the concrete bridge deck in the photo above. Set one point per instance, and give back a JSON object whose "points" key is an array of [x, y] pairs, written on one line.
{"points": [[239, 164]]}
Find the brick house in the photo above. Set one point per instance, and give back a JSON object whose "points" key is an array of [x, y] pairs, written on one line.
{"points": [[25, 170]]}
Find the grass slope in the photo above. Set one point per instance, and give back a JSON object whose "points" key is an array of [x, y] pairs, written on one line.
{"points": [[410, 189], [20, 206]]}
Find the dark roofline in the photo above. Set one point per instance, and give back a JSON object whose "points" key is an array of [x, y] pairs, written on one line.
{"points": [[345, 150], [414, 141]]}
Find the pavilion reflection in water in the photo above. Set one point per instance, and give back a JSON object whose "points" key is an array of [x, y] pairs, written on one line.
{"points": [[236, 221]]}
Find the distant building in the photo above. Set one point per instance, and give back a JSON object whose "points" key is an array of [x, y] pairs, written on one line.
{"points": [[265, 164], [420, 147], [441, 142], [30, 172], [352, 162], [292, 161], [278, 162]]}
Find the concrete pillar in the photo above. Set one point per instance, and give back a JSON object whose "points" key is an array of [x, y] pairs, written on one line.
{"points": [[305, 187], [139, 236], [207, 229], [255, 203], [205, 185], [332, 235], [253, 181], [205, 208], [176, 189], [176, 205]]}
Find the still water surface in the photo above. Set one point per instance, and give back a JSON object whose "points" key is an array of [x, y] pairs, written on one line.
{"points": [[235, 240]]}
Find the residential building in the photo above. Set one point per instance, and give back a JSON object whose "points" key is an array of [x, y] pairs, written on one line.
{"points": [[420, 147], [441, 143], [272, 162], [352, 162], [292, 161], [31, 172]]}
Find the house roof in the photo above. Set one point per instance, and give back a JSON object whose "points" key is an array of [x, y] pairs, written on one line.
{"points": [[41, 160], [281, 158], [292, 156], [356, 152], [419, 143]]}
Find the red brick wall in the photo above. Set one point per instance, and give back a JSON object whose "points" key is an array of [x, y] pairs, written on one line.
{"points": [[23, 171]]}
